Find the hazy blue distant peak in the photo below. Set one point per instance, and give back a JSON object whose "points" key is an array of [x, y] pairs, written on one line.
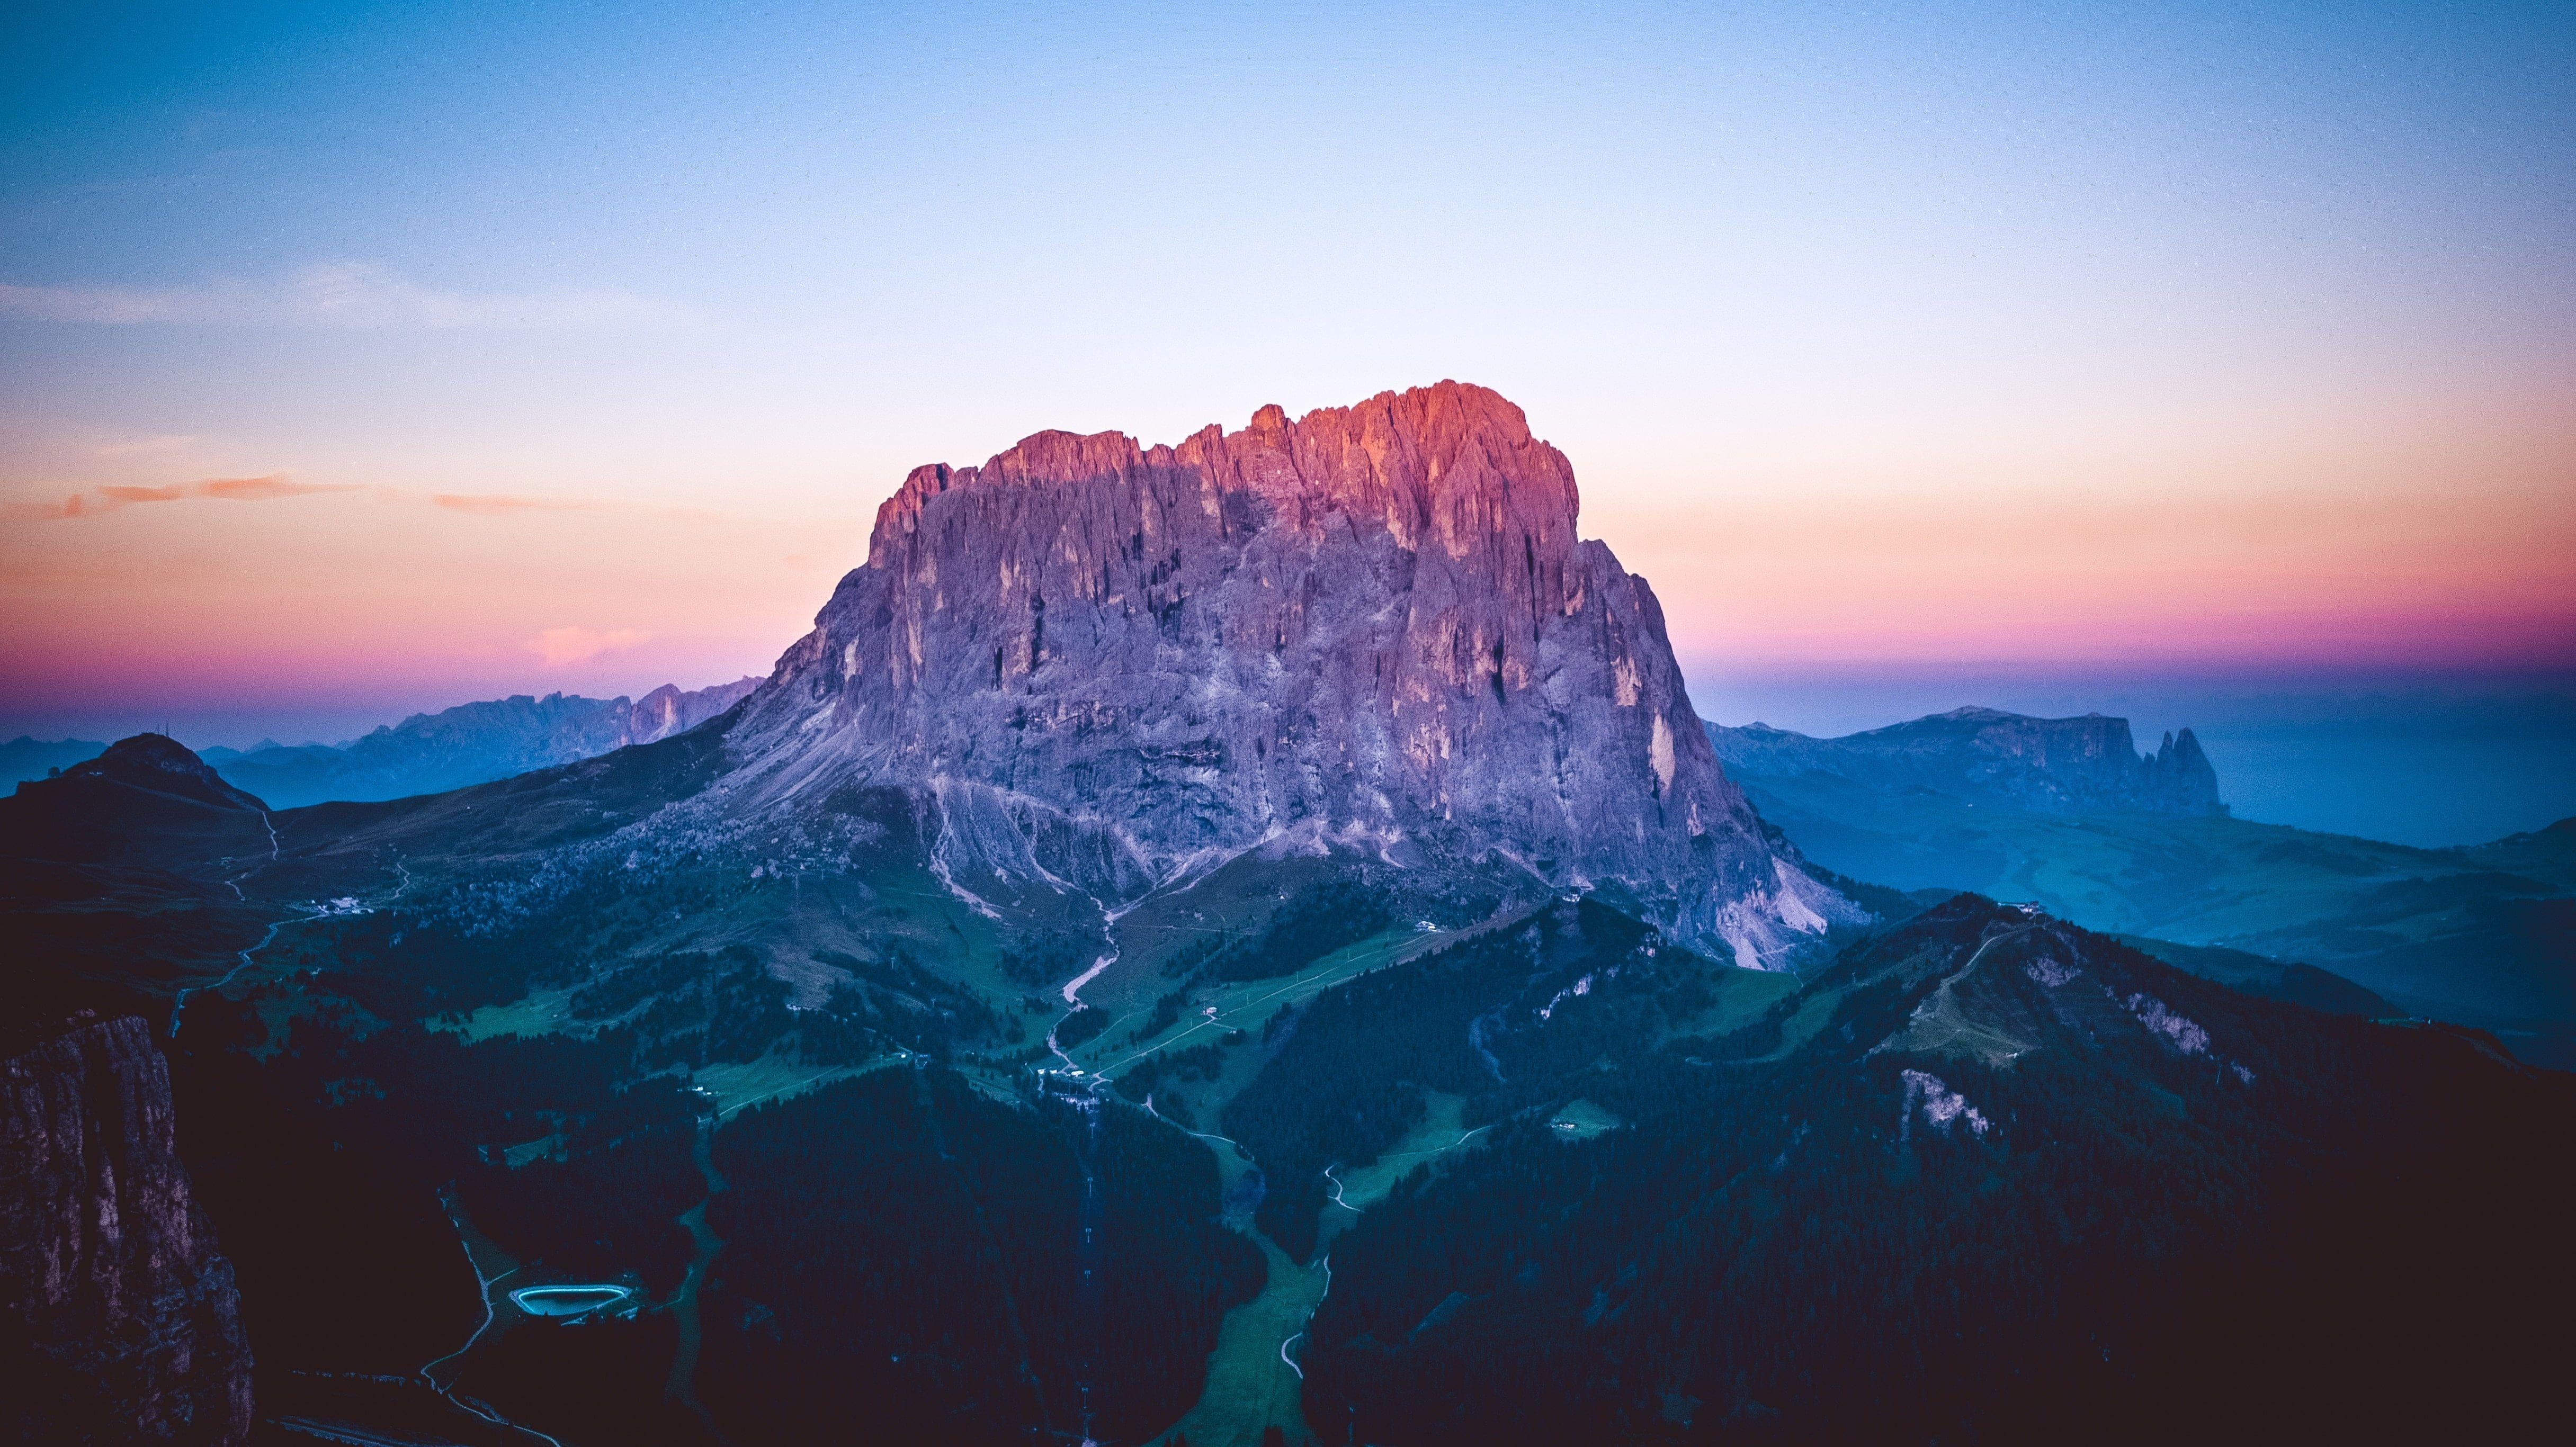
{"points": [[472, 743], [2074, 765], [25, 758]]}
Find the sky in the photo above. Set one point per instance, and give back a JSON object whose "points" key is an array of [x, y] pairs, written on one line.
{"points": [[358, 360]]}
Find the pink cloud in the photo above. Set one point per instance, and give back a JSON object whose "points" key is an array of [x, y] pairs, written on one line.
{"points": [[110, 498], [561, 647]]}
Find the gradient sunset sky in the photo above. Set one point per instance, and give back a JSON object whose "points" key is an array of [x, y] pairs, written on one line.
{"points": [[361, 363]]}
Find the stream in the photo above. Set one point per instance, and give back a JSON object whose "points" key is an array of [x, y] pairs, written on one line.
{"points": [[683, 1384], [1089, 1297]]}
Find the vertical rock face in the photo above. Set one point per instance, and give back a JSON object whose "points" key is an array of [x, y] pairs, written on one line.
{"points": [[1374, 626], [2177, 778], [118, 1320], [671, 710]]}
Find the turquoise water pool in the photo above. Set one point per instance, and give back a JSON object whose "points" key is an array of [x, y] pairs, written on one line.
{"points": [[567, 1300]]}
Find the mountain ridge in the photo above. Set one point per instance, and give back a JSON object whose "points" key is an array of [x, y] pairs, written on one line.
{"points": [[471, 743], [2046, 765]]}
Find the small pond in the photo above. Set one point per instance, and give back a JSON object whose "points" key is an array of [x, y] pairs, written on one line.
{"points": [[567, 1300]]}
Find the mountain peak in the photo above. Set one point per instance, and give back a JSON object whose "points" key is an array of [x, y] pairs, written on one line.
{"points": [[162, 765], [1442, 460]]}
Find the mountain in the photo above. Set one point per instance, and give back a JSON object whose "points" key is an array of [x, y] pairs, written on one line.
{"points": [[119, 881], [145, 799], [118, 1315], [24, 758], [1986, 1178], [2269, 978], [2042, 765], [1245, 938], [470, 744], [2484, 936], [1372, 630]]}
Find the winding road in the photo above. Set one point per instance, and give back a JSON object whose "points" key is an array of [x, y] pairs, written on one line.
{"points": [[483, 1286], [1310, 1315], [179, 1003]]}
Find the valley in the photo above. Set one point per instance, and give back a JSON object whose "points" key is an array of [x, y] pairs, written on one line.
{"points": [[1278, 954]]}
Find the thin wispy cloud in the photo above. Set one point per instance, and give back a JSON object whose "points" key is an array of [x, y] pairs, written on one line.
{"points": [[135, 446], [497, 504], [560, 647], [100, 500], [345, 295]]}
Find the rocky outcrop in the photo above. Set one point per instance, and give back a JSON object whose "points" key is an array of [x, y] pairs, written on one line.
{"points": [[671, 709], [1372, 628], [118, 1320], [473, 743], [2041, 765], [2177, 778]]}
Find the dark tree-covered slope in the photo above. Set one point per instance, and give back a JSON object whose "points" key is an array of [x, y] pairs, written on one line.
{"points": [[1990, 1178]]}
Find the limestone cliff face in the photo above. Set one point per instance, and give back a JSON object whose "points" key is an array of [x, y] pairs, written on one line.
{"points": [[671, 709], [1373, 627], [118, 1320]]}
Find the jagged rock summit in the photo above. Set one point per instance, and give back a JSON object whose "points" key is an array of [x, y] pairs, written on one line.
{"points": [[1370, 629]]}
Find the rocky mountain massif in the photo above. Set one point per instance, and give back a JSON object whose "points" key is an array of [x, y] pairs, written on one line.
{"points": [[1372, 630], [118, 1317], [2082, 765], [473, 743]]}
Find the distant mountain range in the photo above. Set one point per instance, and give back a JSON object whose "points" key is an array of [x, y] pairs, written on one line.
{"points": [[2065, 814], [25, 758], [2082, 765], [430, 753]]}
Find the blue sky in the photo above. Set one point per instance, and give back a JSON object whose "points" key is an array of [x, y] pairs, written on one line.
{"points": [[2110, 340]]}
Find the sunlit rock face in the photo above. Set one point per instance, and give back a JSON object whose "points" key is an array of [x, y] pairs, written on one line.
{"points": [[1373, 628]]}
